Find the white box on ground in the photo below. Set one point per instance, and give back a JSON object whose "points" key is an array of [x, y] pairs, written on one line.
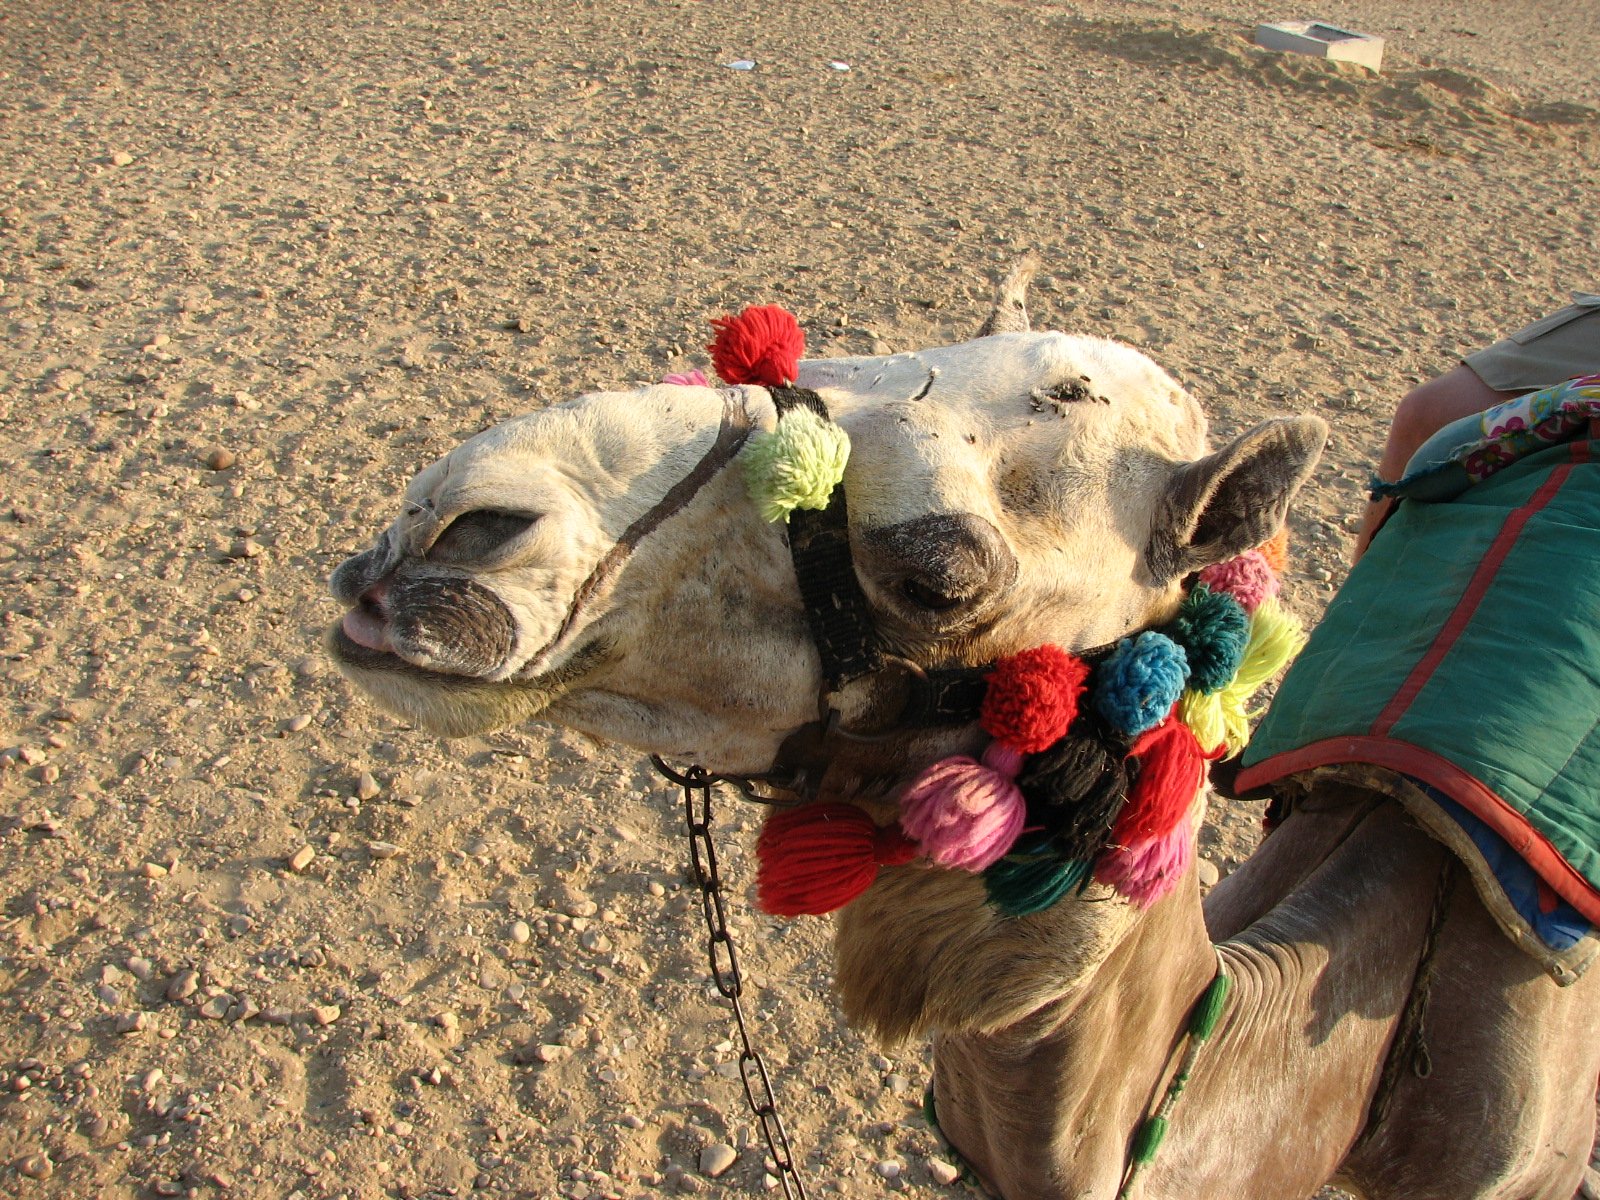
{"points": [[1322, 40]]}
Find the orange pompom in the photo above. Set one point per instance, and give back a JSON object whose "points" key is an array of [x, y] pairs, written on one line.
{"points": [[1276, 550]]}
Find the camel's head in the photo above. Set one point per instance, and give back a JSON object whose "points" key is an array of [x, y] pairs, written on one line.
{"points": [[600, 564]]}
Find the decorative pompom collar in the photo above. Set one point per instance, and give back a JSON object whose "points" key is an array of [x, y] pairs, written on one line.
{"points": [[1094, 761]]}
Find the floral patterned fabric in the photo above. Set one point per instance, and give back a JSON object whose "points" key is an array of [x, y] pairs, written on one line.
{"points": [[1470, 450]]}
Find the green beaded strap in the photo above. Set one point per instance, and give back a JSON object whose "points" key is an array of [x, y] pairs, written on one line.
{"points": [[1202, 1024]]}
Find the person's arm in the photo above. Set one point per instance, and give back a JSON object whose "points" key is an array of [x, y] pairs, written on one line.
{"points": [[1422, 413]]}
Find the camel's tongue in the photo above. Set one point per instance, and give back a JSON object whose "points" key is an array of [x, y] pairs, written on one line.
{"points": [[364, 629]]}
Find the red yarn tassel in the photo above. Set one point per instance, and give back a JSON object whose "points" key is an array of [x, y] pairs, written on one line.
{"points": [[1172, 769], [816, 859], [762, 345]]}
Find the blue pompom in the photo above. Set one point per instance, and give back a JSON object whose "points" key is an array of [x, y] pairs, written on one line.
{"points": [[1137, 685], [1213, 629]]}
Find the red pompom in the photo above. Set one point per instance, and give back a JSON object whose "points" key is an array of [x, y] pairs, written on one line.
{"points": [[1172, 769], [762, 345], [1033, 697], [815, 859]]}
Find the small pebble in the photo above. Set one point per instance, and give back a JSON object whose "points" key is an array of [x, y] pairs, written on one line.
{"points": [[382, 850], [244, 548], [549, 1053], [297, 722], [301, 859], [37, 1166], [216, 1008], [888, 1168], [717, 1158], [520, 933], [121, 158], [367, 787], [943, 1173], [325, 1014], [1207, 872], [183, 985], [219, 458]]}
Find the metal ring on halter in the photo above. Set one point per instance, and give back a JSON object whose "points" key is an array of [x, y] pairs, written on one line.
{"points": [[696, 776]]}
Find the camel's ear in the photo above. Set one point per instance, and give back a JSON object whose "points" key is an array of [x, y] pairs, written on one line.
{"points": [[1227, 502], [1010, 312]]}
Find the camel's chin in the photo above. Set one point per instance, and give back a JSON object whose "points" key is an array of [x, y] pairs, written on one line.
{"points": [[446, 705]]}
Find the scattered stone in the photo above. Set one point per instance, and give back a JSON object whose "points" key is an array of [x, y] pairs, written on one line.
{"points": [[216, 1008], [121, 158], [183, 985], [520, 933], [1208, 872], [717, 1158], [245, 548], [447, 1020], [549, 1053], [943, 1173], [301, 859], [133, 1022], [367, 787], [382, 850], [219, 458], [297, 722], [888, 1168], [154, 871], [141, 969], [325, 1014], [37, 1166]]}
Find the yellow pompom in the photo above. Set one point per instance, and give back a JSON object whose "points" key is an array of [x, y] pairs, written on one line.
{"points": [[1221, 717], [797, 465]]}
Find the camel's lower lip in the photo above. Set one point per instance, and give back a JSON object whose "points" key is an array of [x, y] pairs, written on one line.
{"points": [[358, 652]]}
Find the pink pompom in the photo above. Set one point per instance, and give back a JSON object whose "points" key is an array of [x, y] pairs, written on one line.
{"points": [[964, 814], [1248, 578], [1003, 758], [1150, 868], [692, 378]]}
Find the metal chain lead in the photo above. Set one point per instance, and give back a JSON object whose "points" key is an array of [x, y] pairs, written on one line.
{"points": [[697, 784]]}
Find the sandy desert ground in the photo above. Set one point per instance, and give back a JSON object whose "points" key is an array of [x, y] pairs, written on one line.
{"points": [[258, 262]]}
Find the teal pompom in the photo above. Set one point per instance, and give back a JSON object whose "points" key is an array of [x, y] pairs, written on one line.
{"points": [[1213, 629], [1137, 685], [1023, 885], [797, 465]]}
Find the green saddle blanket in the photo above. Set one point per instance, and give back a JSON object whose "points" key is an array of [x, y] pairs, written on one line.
{"points": [[1464, 651]]}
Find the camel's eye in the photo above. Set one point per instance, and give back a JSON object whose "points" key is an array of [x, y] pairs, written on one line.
{"points": [[923, 596], [476, 535]]}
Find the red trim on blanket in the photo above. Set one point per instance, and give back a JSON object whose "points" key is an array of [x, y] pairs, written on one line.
{"points": [[1450, 779], [1479, 585]]}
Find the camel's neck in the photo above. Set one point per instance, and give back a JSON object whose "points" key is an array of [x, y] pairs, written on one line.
{"points": [[1045, 1106]]}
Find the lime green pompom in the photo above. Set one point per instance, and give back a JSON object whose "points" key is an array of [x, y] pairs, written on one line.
{"points": [[797, 465]]}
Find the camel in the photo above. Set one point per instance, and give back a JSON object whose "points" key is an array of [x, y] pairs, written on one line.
{"points": [[599, 565]]}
